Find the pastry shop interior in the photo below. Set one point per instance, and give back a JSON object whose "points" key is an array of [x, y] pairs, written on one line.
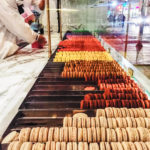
{"points": [[80, 75]]}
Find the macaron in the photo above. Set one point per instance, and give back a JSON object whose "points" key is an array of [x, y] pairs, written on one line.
{"points": [[58, 146], [74, 134], [134, 125], [143, 132], [93, 122], [65, 122], [34, 134], [102, 146], [119, 122], [98, 134], [61, 134], [85, 136], [83, 122], [79, 123], [114, 123], [10, 137], [45, 134], [75, 146], [94, 134], [70, 129], [108, 134], [80, 135], [147, 113], [103, 134], [26, 146], [69, 121], [24, 134], [131, 134], [97, 121], [129, 121], [144, 147], [113, 135], [124, 122], [63, 146], [126, 146], [88, 122], [114, 146], [124, 134], [66, 134], [81, 146], [119, 134], [119, 146], [74, 123], [138, 146], [147, 122], [48, 146], [56, 134], [16, 145], [103, 122], [123, 111], [132, 146], [51, 134], [107, 146], [89, 130], [69, 146]]}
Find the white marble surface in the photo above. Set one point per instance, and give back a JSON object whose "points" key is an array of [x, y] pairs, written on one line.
{"points": [[17, 75]]}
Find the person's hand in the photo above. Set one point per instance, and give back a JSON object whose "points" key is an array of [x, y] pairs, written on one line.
{"points": [[42, 4], [42, 40]]}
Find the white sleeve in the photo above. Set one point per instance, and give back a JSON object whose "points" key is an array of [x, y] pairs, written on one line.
{"points": [[28, 3], [15, 24]]}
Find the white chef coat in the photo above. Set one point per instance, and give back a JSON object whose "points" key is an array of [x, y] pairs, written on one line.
{"points": [[12, 26]]}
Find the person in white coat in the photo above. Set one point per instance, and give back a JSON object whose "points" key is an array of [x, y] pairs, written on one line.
{"points": [[13, 27]]}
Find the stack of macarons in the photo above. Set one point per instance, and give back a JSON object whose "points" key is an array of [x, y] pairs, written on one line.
{"points": [[80, 146], [64, 56], [93, 134]]}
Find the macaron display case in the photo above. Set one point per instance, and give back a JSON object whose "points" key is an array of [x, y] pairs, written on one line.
{"points": [[82, 99]]}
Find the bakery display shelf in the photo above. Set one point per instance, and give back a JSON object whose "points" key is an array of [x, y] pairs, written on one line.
{"points": [[51, 104]]}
